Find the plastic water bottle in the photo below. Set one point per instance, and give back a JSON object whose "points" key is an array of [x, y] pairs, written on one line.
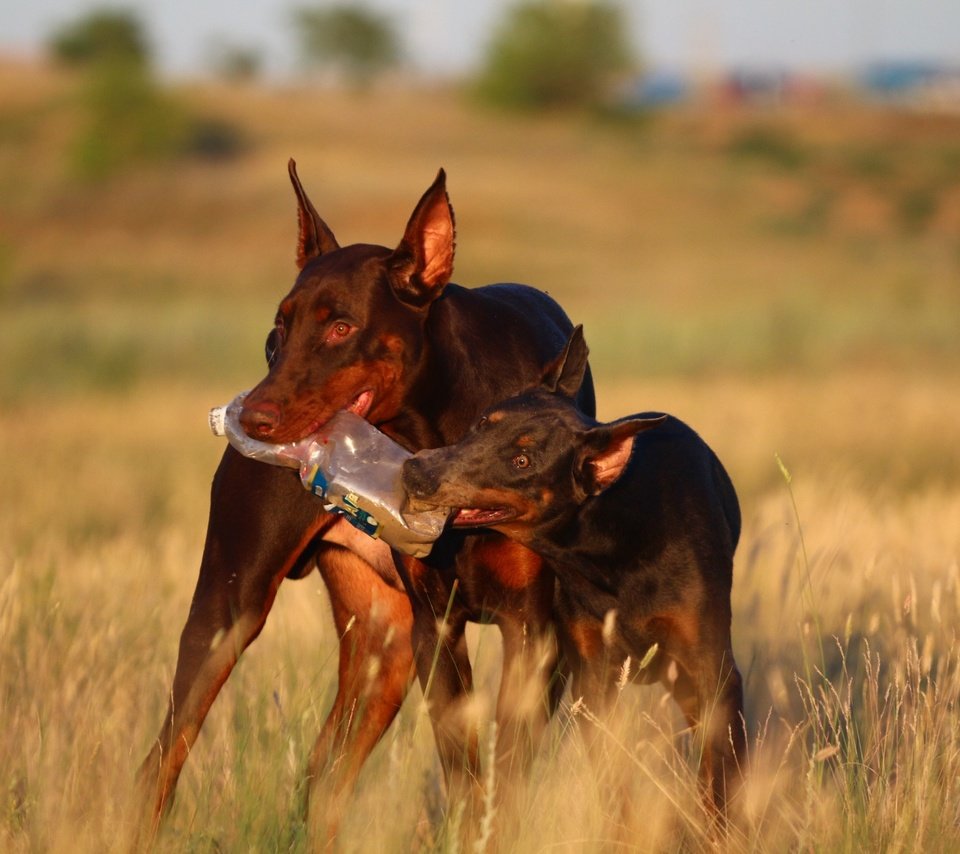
{"points": [[352, 466]]}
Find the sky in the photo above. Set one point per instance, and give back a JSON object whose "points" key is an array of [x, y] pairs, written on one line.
{"points": [[449, 36]]}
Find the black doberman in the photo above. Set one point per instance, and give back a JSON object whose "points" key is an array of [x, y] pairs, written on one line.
{"points": [[381, 332], [640, 526]]}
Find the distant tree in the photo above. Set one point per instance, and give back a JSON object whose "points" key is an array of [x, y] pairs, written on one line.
{"points": [[129, 120], [128, 117], [103, 35], [359, 42], [547, 53]]}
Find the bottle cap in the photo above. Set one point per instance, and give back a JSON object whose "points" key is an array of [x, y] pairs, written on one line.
{"points": [[218, 420]]}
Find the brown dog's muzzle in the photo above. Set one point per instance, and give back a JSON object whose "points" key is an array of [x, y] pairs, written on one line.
{"points": [[260, 419]]}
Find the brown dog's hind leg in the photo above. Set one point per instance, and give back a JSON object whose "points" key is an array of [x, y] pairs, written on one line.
{"points": [[374, 623]]}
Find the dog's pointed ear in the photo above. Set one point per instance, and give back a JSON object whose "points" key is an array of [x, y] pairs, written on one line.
{"points": [[564, 375], [422, 264], [316, 238], [605, 452]]}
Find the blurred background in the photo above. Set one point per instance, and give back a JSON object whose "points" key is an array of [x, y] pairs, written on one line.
{"points": [[752, 207], [716, 190]]}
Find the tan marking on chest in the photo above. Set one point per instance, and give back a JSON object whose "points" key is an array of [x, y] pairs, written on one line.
{"points": [[512, 565]]}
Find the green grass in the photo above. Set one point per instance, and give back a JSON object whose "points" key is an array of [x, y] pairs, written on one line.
{"points": [[68, 347], [798, 333]]}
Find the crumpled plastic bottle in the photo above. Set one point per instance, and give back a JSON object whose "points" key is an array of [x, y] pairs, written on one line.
{"points": [[353, 467]]}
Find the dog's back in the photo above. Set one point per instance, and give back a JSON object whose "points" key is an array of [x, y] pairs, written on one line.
{"points": [[673, 491]]}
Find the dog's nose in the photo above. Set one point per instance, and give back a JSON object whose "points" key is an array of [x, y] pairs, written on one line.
{"points": [[417, 479], [259, 420]]}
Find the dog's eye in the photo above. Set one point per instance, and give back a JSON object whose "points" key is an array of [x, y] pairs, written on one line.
{"points": [[339, 331], [272, 348], [521, 461], [482, 422]]}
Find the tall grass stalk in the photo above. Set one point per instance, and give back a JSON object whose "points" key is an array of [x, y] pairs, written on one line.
{"points": [[441, 634], [489, 793], [693, 821], [806, 587]]}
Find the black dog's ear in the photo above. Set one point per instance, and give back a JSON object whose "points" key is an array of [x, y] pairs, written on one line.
{"points": [[605, 452], [423, 262], [564, 375], [316, 238]]}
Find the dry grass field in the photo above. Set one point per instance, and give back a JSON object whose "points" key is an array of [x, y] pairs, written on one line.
{"points": [[788, 282]]}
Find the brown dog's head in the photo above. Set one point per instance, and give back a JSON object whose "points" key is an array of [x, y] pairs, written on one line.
{"points": [[349, 335], [531, 461]]}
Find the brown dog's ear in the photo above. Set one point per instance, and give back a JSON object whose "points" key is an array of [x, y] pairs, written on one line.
{"points": [[606, 451], [564, 375], [316, 238], [423, 262]]}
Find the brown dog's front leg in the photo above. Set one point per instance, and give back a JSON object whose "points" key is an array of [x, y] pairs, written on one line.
{"points": [[260, 522], [374, 621]]}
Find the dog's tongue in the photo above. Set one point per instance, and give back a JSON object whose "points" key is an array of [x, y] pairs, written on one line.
{"points": [[477, 516], [361, 404]]}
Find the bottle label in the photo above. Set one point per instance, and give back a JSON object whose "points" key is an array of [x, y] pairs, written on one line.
{"points": [[358, 517], [316, 482]]}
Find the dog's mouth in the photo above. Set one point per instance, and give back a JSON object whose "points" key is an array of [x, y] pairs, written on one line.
{"points": [[360, 405], [476, 517]]}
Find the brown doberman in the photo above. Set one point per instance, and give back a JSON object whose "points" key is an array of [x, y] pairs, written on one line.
{"points": [[640, 522], [383, 333]]}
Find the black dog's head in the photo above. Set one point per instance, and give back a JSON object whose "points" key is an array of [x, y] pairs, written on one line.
{"points": [[350, 333], [530, 461]]}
